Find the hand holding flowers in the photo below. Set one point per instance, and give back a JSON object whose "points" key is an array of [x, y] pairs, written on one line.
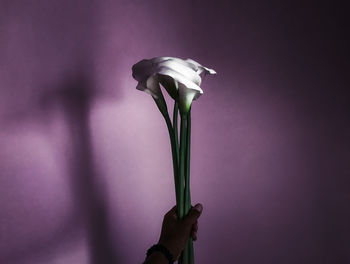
{"points": [[181, 79]]}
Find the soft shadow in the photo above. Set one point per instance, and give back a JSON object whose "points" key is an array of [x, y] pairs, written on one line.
{"points": [[76, 96]]}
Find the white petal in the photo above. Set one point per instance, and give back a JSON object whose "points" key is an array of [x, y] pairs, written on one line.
{"points": [[186, 96], [180, 79], [183, 62], [145, 68], [150, 86], [142, 70], [201, 68], [180, 68]]}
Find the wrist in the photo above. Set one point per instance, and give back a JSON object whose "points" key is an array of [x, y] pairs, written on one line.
{"points": [[156, 258], [159, 253], [170, 246]]}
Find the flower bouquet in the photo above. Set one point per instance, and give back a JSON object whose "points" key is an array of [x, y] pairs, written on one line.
{"points": [[181, 79]]}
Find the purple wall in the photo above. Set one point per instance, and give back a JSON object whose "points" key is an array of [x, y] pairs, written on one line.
{"points": [[85, 161]]}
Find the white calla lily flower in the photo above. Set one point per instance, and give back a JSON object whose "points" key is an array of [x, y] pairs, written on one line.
{"points": [[181, 78]]}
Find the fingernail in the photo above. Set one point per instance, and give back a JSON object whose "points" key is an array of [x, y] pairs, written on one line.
{"points": [[198, 207]]}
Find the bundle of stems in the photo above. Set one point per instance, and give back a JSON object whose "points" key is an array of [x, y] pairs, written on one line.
{"points": [[182, 80], [181, 166]]}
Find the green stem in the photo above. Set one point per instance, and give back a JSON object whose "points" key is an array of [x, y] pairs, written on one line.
{"points": [[161, 104], [188, 253], [181, 167], [175, 116], [188, 160], [174, 150], [182, 164], [187, 183]]}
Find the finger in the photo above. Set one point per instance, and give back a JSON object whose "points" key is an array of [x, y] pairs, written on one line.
{"points": [[194, 214], [194, 236], [194, 231], [195, 227]]}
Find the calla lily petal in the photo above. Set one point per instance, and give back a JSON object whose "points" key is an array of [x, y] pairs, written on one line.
{"points": [[145, 68], [186, 96], [184, 62], [180, 68], [201, 68], [141, 70], [150, 86], [181, 79]]}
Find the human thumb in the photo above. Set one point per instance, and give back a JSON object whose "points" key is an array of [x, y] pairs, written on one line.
{"points": [[194, 214]]}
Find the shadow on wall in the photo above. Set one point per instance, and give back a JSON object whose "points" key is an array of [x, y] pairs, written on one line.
{"points": [[74, 99], [40, 40]]}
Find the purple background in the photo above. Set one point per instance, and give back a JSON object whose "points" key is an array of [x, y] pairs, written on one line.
{"points": [[85, 161]]}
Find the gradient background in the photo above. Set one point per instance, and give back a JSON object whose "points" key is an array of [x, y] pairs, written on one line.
{"points": [[85, 161]]}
